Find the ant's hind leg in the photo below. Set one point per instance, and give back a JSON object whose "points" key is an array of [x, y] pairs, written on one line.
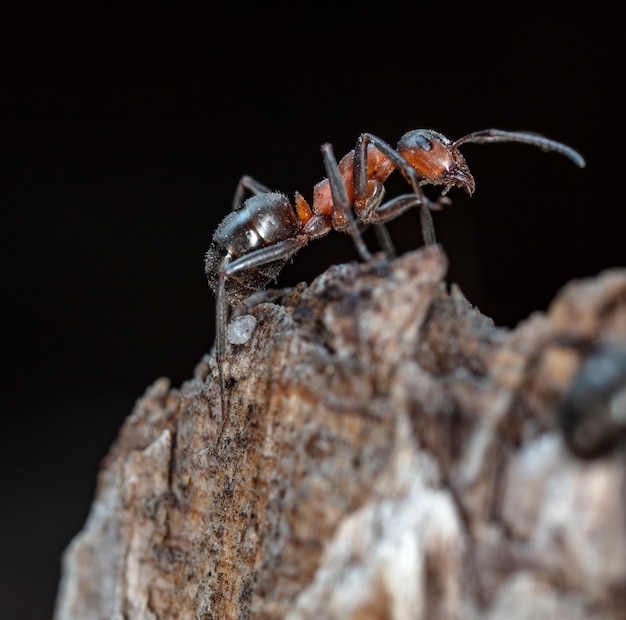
{"points": [[221, 318], [340, 199], [250, 184], [280, 251]]}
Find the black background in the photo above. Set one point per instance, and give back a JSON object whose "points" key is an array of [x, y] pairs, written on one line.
{"points": [[122, 148]]}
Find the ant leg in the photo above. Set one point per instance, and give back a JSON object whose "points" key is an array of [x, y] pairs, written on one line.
{"points": [[360, 183], [221, 318], [407, 171], [340, 199], [392, 209], [428, 228], [266, 295], [283, 250], [384, 240], [250, 184], [395, 207], [258, 258]]}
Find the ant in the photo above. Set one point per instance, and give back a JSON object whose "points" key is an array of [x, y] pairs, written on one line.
{"points": [[255, 240]]}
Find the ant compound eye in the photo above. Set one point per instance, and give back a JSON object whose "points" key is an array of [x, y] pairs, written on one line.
{"points": [[423, 143], [417, 139], [422, 140]]}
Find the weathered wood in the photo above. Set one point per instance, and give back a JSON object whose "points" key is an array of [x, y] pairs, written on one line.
{"points": [[388, 453]]}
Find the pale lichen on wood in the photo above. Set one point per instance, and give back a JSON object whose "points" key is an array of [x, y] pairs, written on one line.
{"points": [[389, 453]]}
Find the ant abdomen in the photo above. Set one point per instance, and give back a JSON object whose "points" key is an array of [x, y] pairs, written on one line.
{"points": [[261, 221]]}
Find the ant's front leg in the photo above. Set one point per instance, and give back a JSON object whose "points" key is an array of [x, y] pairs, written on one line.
{"points": [[340, 200], [394, 207], [252, 185]]}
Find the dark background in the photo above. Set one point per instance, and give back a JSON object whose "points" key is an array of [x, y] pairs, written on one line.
{"points": [[122, 148]]}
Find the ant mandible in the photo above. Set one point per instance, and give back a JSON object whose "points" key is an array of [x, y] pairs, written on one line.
{"points": [[255, 240]]}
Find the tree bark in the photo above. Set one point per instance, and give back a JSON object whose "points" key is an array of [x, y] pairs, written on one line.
{"points": [[387, 453]]}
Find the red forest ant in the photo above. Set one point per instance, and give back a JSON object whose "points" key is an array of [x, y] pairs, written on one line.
{"points": [[255, 240]]}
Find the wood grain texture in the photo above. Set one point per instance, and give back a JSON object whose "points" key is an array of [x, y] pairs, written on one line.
{"points": [[388, 453]]}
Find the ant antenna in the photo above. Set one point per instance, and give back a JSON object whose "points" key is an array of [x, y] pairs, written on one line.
{"points": [[497, 135]]}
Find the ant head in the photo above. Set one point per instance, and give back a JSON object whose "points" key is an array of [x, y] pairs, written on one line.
{"points": [[436, 159]]}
